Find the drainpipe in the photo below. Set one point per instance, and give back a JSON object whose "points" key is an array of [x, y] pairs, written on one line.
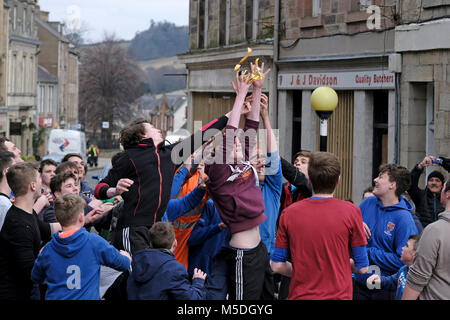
{"points": [[274, 71], [397, 118]]}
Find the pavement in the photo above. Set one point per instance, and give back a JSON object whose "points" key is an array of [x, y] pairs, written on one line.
{"points": [[102, 162]]}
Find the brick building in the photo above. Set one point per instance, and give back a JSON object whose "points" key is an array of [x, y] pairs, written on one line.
{"points": [[220, 31]]}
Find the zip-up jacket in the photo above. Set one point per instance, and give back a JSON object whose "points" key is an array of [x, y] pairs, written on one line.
{"points": [[152, 170], [428, 204]]}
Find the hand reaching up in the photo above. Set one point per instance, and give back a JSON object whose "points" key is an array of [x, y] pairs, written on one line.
{"points": [[199, 274], [241, 85], [259, 83]]}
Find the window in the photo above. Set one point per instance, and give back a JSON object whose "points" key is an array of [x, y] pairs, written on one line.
{"points": [[50, 99], [14, 18], [360, 5], [223, 19], [40, 94], [202, 21], [364, 4], [380, 129], [24, 22], [316, 8], [23, 67], [249, 5]]}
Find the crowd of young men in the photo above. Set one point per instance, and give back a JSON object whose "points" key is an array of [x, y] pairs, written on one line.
{"points": [[232, 229]]}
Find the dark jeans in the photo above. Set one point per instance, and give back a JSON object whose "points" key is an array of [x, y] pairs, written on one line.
{"points": [[216, 282]]}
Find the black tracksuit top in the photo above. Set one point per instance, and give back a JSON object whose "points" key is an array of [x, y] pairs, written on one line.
{"points": [[152, 171]]}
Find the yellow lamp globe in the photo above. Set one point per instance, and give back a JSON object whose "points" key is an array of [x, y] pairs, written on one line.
{"points": [[324, 99]]}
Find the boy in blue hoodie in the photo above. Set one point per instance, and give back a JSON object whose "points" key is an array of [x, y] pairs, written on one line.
{"points": [[156, 275], [388, 218], [396, 281], [70, 262]]}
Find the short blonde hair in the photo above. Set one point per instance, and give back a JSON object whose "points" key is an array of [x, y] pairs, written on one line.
{"points": [[67, 209]]}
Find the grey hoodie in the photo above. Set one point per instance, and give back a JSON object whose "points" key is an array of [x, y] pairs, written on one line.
{"points": [[430, 273]]}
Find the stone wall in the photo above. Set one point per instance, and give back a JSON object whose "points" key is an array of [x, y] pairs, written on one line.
{"points": [[337, 17]]}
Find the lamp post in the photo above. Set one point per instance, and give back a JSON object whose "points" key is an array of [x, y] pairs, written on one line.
{"points": [[324, 100]]}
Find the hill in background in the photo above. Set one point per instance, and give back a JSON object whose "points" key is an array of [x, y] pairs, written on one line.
{"points": [[155, 51], [162, 39]]}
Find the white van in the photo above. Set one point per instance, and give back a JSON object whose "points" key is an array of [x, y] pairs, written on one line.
{"points": [[63, 141]]}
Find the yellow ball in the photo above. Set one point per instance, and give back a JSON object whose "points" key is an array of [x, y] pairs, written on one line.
{"points": [[324, 99]]}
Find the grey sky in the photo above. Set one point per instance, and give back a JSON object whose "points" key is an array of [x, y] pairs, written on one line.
{"points": [[123, 17]]}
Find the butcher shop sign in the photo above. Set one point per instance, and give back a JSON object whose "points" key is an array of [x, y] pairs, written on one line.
{"points": [[364, 80]]}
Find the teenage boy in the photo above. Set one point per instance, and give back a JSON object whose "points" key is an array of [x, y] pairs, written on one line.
{"points": [[237, 197], [143, 176], [389, 223], [21, 234], [7, 145], [6, 160], [76, 158], [318, 233], [70, 263], [67, 183], [270, 180], [47, 170], [157, 275], [297, 188]]}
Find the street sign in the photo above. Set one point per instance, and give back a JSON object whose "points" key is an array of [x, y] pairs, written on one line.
{"points": [[46, 122], [105, 125]]}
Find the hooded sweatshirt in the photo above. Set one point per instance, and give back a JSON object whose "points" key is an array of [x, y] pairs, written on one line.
{"points": [[71, 265], [157, 275], [430, 272], [391, 227], [232, 187]]}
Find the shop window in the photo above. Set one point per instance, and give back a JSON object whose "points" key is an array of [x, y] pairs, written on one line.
{"points": [[296, 122], [380, 130]]}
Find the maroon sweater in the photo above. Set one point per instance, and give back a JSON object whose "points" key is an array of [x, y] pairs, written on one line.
{"points": [[240, 202]]}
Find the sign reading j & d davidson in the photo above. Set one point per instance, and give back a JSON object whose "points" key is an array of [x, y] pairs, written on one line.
{"points": [[374, 79]]}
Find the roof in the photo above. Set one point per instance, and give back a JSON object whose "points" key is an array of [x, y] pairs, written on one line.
{"points": [[50, 29], [174, 100], [45, 76]]}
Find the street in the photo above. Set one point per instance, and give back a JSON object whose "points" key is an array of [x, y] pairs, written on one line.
{"points": [[92, 172]]}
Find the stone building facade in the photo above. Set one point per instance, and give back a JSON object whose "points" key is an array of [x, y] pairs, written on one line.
{"points": [[4, 27], [390, 74], [60, 59], [23, 49], [220, 31], [422, 41]]}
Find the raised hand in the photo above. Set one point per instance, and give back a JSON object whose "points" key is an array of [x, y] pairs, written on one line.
{"points": [[241, 85], [427, 161], [254, 67], [264, 111]]}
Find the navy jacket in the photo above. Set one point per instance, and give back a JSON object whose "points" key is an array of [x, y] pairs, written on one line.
{"points": [[206, 240], [156, 275]]}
